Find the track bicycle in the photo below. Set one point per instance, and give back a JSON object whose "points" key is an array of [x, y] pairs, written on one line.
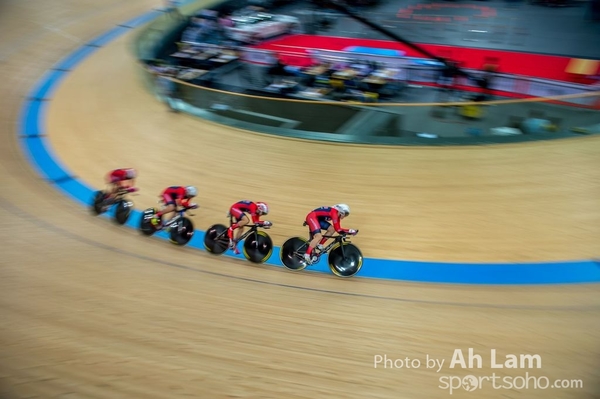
{"points": [[344, 258], [257, 247], [101, 203], [180, 227]]}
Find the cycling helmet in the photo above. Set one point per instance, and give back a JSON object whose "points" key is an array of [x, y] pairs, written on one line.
{"points": [[130, 173], [342, 208], [262, 208], [191, 191]]}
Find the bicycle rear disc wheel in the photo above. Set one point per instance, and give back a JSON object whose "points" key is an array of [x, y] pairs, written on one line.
{"points": [[98, 202], [123, 211], [215, 240], [292, 253], [146, 226], [183, 232]]}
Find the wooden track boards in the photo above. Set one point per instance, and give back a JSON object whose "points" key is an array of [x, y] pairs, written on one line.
{"points": [[92, 310]]}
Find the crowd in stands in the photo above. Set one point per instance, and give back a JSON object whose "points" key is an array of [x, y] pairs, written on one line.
{"points": [[208, 26]]}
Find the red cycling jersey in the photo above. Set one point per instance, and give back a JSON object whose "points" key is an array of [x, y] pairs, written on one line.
{"points": [[238, 209], [319, 219], [175, 194]]}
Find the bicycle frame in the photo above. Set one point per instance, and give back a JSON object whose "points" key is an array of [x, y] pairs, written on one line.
{"points": [[338, 239], [121, 192], [175, 219], [253, 229], [119, 195]]}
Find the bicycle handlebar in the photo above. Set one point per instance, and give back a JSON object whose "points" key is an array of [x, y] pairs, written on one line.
{"points": [[341, 235], [184, 209], [259, 225], [124, 191]]}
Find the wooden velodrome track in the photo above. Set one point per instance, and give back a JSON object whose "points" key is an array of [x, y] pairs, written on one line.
{"points": [[92, 310]]}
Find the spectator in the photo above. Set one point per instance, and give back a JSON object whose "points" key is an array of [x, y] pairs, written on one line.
{"points": [[485, 82], [447, 79]]}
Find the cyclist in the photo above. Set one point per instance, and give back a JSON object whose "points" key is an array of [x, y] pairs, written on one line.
{"points": [[172, 197], [120, 179], [324, 218], [238, 211]]}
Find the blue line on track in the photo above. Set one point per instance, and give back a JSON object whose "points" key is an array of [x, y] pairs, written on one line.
{"points": [[37, 150], [74, 59], [109, 36], [48, 84]]}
